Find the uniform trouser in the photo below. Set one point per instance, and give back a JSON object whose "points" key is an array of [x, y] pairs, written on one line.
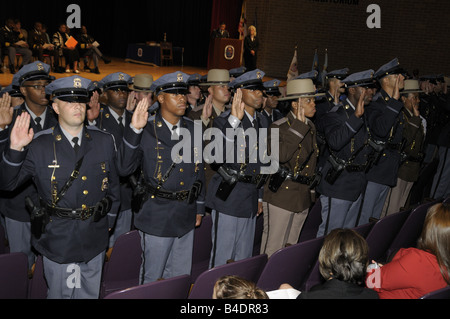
{"points": [[26, 55], [19, 238], [338, 213], [265, 232], [54, 54], [397, 197], [122, 226], [74, 281], [441, 181], [165, 257], [373, 202], [235, 238], [284, 228]]}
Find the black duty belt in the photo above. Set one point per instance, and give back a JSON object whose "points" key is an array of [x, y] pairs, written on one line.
{"points": [[248, 179], [355, 168], [67, 213], [306, 180], [179, 196]]}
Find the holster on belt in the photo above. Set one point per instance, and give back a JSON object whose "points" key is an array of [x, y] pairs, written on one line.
{"points": [[39, 218]]}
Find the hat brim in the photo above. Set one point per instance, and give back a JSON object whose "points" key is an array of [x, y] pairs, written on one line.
{"points": [[297, 96], [139, 89], [410, 91], [215, 83]]}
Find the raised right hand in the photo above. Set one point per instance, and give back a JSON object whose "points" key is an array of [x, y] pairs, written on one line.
{"points": [[207, 108], [359, 111], [140, 115], [21, 133], [238, 107], [6, 111]]}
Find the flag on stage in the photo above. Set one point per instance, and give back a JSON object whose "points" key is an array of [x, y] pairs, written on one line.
{"points": [[293, 69], [315, 66], [243, 21], [325, 68]]}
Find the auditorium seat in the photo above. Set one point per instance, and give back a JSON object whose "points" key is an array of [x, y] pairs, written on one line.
{"points": [[13, 276], [412, 228], [443, 293], [249, 269], [312, 223], [202, 248], [172, 288], [37, 285], [290, 265], [383, 233], [122, 269]]}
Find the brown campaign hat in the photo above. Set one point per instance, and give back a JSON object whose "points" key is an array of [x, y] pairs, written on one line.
{"points": [[142, 83], [217, 77], [300, 88], [411, 86]]}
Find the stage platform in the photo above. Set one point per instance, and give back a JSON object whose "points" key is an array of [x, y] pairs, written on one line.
{"points": [[117, 65]]}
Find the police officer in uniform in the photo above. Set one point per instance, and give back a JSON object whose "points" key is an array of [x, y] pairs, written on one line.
{"points": [[235, 193], [171, 193], [271, 96], [194, 97], [113, 119], [343, 174], [412, 155], [216, 103], [31, 80], [73, 167], [385, 121], [288, 193]]}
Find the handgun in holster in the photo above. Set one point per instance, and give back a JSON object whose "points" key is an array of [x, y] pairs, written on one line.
{"points": [[229, 182], [102, 208], [195, 192], [337, 167], [38, 218], [316, 181], [139, 196], [277, 179], [378, 149]]}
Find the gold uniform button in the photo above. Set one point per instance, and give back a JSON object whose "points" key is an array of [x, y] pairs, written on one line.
{"points": [[85, 192], [83, 206], [84, 178], [181, 170], [182, 183]]}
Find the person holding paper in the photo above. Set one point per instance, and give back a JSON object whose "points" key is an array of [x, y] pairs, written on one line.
{"points": [[89, 49], [67, 46]]}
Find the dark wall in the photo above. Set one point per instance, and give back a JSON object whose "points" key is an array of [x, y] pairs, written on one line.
{"points": [[114, 24], [415, 31]]}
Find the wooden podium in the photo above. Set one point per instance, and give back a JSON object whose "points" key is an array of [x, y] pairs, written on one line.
{"points": [[225, 53]]}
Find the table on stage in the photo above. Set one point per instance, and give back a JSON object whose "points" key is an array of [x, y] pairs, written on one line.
{"points": [[151, 54]]}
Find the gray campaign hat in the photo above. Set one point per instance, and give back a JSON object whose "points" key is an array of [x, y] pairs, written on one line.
{"points": [[70, 89], [392, 67], [175, 82], [363, 78], [32, 72], [251, 80]]}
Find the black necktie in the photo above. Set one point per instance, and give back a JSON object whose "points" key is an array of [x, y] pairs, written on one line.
{"points": [[174, 133], [76, 147], [38, 123], [121, 123]]}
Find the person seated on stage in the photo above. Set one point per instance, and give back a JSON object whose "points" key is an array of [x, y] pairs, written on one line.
{"points": [[71, 54], [41, 45], [14, 43], [234, 287], [89, 49]]}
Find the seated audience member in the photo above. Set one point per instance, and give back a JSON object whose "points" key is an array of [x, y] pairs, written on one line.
{"points": [[70, 54], [89, 49], [234, 287], [414, 272], [343, 261], [41, 45], [14, 43]]}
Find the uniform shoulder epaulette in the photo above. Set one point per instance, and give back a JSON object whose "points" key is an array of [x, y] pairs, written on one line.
{"points": [[198, 108], [43, 132], [376, 96], [188, 119], [335, 108], [95, 128], [225, 113], [280, 121]]}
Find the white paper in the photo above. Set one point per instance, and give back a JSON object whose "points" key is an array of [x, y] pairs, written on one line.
{"points": [[284, 294]]}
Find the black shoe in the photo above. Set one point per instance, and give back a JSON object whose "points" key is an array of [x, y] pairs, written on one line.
{"points": [[106, 60], [87, 69], [12, 69], [1, 69], [96, 71]]}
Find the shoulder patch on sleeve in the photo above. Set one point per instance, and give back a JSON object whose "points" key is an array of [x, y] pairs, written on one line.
{"points": [[280, 121]]}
